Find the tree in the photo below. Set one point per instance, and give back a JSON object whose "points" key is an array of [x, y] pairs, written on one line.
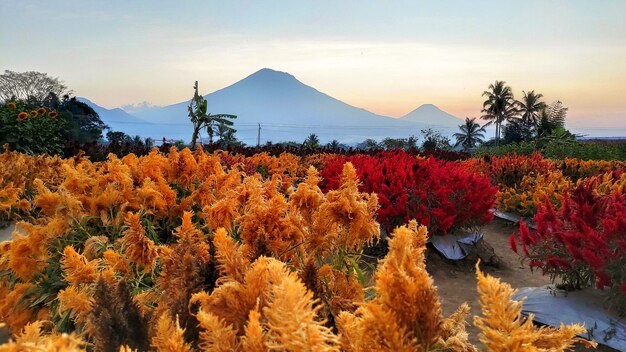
{"points": [[200, 118], [434, 140], [470, 135], [31, 86], [552, 118], [530, 108], [369, 143], [118, 137], [399, 143], [84, 124], [312, 141], [516, 132], [334, 144], [499, 106]]}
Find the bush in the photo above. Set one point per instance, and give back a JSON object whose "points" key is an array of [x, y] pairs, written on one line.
{"points": [[30, 129]]}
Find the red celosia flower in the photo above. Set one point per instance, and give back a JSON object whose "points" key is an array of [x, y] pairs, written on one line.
{"points": [[513, 243], [41, 111], [22, 116], [53, 114]]}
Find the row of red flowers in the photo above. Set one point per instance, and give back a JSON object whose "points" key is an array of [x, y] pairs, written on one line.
{"points": [[441, 195]]}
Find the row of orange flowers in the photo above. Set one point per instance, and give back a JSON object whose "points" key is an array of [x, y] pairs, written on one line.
{"points": [[525, 182]]}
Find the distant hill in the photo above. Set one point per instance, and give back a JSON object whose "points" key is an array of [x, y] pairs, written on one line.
{"points": [[119, 120], [431, 115], [289, 110]]}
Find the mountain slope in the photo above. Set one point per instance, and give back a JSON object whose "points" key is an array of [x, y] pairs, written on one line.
{"points": [[287, 110], [430, 114], [119, 120]]}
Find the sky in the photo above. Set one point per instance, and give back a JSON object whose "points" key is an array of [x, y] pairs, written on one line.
{"points": [[388, 57]]}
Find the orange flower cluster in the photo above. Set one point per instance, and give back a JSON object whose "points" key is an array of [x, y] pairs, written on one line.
{"points": [[533, 190], [578, 169]]}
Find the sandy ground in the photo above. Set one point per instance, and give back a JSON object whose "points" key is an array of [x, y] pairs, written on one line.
{"points": [[456, 282]]}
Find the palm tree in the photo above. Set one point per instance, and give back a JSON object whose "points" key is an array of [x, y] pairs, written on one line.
{"points": [[499, 106], [312, 141], [531, 107], [470, 135]]}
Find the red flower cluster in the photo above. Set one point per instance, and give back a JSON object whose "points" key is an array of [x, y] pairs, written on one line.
{"points": [[441, 195], [583, 242]]}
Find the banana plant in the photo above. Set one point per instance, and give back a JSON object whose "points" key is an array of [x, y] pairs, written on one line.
{"points": [[200, 118]]}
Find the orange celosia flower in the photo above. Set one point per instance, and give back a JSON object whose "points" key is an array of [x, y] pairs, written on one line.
{"points": [[292, 319], [138, 248], [79, 300], [76, 268], [406, 315], [503, 328], [41, 111], [11, 105], [14, 309], [116, 262], [22, 116], [23, 204], [34, 113], [217, 335], [53, 114], [169, 336]]}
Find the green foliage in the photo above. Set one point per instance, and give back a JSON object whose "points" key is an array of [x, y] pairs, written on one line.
{"points": [[83, 123], [369, 143], [499, 106], [471, 134], [312, 141], [399, 143], [118, 137], [220, 124], [435, 140], [33, 132], [559, 149]]}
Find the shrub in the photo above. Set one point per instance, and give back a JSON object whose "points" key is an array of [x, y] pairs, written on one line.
{"points": [[30, 129], [532, 190]]}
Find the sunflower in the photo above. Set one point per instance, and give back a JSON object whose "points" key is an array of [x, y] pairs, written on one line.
{"points": [[42, 111], [22, 116], [11, 105], [34, 113], [53, 114]]}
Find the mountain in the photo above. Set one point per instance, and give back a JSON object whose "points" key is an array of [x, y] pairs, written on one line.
{"points": [[430, 114], [288, 110], [119, 120]]}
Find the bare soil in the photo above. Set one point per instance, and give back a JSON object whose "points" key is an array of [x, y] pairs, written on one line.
{"points": [[456, 281]]}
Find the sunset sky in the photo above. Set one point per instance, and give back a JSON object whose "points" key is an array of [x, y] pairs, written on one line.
{"points": [[385, 56]]}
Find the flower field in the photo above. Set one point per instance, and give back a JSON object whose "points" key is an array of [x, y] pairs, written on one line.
{"points": [[198, 251]]}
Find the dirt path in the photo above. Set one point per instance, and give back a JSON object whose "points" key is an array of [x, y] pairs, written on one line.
{"points": [[456, 282]]}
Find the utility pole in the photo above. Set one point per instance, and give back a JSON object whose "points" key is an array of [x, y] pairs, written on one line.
{"points": [[258, 136]]}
